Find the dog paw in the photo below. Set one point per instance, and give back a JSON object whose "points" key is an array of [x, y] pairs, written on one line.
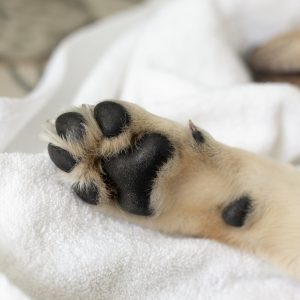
{"points": [[136, 165], [120, 156], [110, 154]]}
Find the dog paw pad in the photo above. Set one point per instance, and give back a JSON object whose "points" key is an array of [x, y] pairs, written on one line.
{"points": [[61, 158], [70, 125], [88, 193], [115, 161], [111, 117], [133, 171], [236, 212]]}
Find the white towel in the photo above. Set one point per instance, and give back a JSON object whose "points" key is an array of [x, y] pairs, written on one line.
{"points": [[54, 246], [181, 59]]}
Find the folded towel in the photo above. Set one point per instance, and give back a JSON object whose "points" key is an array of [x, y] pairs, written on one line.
{"points": [[8, 291], [181, 59], [54, 246]]}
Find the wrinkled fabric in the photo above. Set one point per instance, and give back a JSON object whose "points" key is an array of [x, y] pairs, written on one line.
{"points": [[181, 59]]}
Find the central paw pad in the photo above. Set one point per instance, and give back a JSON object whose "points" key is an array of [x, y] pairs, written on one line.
{"points": [[134, 170], [124, 174]]}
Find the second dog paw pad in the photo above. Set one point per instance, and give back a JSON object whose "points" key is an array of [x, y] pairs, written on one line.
{"points": [[88, 193], [70, 125], [111, 117], [61, 158]]}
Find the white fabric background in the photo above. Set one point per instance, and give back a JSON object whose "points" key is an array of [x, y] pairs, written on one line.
{"points": [[182, 59]]}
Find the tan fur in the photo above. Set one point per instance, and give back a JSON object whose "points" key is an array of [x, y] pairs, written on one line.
{"points": [[279, 55], [278, 59], [193, 188]]}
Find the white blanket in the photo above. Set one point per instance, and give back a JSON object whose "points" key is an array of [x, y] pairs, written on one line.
{"points": [[178, 58]]}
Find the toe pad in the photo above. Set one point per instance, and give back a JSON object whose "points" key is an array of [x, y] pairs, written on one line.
{"points": [[88, 194], [61, 158], [70, 124], [111, 117]]}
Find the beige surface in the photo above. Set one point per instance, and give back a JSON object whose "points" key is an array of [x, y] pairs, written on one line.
{"points": [[30, 29]]}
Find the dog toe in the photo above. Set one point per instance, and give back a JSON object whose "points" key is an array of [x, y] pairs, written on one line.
{"points": [[70, 124], [89, 193], [61, 158], [111, 117]]}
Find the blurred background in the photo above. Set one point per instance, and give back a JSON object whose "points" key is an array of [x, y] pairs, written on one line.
{"points": [[31, 29]]}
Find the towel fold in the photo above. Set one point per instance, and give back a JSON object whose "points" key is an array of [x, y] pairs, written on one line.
{"points": [[54, 246], [181, 59]]}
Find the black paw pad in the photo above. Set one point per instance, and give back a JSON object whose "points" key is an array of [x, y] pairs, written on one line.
{"points": [[61, 158], [88, 193], [196, 133], [70, 124], [236, 212], [111, 117], [133, 171], [198, 137]]}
